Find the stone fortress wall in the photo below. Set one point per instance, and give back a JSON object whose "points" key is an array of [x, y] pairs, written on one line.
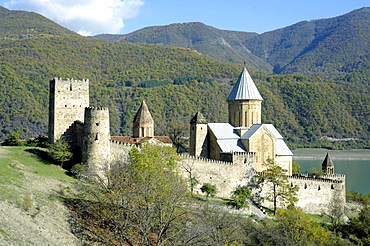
{"points": [[91, 134]]}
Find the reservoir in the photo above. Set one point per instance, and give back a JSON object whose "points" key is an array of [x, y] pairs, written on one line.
{"points": [[355, 164]]}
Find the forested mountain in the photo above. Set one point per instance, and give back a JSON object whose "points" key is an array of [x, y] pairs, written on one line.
{"points": [[175, 83], [320, 47], [224, 46]]}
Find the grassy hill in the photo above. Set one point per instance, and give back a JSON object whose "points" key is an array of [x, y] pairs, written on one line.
{"points": [[31, 204], [303, 108]]}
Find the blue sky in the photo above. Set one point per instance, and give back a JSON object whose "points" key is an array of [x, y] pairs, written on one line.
{"points": [[124, 16]]}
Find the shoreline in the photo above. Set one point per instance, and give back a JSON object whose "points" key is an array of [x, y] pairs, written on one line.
{"points": [[319, 154]]}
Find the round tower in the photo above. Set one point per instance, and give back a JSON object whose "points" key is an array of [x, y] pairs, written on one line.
{"points": [[96, 140], [244, 102], [198, 136]]}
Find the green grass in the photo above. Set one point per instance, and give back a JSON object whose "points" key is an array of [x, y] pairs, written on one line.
{"points": [[19, 163]]}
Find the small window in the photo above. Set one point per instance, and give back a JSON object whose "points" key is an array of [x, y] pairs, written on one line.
{"points": [[97, 124]]}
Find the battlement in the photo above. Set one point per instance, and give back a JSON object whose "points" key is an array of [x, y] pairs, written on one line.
{"points": [[68, 81], [87, 109], [185, 156], [122, 144], [324, 180]]}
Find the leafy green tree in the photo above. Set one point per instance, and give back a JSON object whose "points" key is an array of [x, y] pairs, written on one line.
{"points": [[240, 196], [295, 225], [275, 186], [13, 139], [296, 168], [360, 226], [209, 189], [61, 151]]}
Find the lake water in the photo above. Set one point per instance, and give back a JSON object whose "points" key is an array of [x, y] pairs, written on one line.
{"points": [[357, 171]]}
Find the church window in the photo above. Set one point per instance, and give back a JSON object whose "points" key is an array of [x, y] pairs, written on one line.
{"points": [[70, 87], [142, 131], [96, 137], [332, 187], [305, 186], [319, 188], [97, 124]]}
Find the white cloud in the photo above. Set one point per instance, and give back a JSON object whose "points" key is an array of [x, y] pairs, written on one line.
{"points": [[87, 17]]}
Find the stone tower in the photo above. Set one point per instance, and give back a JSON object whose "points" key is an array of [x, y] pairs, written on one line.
{"points": [[67, 102], [198, 134], [143, 124], [244, 102], [328, 165], [96, 138]]}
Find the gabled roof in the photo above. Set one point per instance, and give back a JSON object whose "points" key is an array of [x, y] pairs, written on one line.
{"points": [[231, 145], [254, 128], [143, 114], [223, 131], [245, 89], [282, 148]]}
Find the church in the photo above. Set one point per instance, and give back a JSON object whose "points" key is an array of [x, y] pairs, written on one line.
{"points": [[244, 133]]}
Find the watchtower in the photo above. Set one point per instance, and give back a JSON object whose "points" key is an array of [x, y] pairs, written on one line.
{"points": [[67, 101], [198, 133], [96, 138]]}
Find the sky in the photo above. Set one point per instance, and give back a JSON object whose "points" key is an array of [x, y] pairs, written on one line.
{"points": [[91, 17]]}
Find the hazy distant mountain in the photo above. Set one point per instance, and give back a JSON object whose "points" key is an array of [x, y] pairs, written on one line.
{"points": [[321, 47]]}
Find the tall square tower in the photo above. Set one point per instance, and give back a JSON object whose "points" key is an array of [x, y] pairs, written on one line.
{"points": [[67, 102]]}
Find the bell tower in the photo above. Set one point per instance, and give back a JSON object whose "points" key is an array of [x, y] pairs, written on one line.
{"points": [[143, 124], [244, 102]]}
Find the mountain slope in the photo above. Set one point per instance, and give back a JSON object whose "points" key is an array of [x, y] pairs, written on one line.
{"points": [[21, 24], [325, 47], [296, 104], [224, 46], [320, 47]]}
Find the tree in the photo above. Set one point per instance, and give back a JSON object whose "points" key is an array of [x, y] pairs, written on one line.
{"points": [[61, 151], [137, 202], [295, 225], [13, 139], [192, 180], [240, 196], [209, 189], [275, 187], [296, 168], [360, 226]]}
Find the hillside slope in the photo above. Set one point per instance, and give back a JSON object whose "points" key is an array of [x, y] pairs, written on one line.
{"points": [[183, 81], [31, 209], [224, 46], [325, 47]]}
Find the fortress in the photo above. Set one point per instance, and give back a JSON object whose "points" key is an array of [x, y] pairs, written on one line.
{"points": [[227, 155]]}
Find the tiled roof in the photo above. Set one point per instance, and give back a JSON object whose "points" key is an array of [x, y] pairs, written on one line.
{"points": [[245, 89], [132, 140]]}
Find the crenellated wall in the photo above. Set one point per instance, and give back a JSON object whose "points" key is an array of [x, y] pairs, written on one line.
{"points": [[226, 176]]}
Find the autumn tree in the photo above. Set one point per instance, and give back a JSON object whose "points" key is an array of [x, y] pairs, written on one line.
{"points": [[137, 202], [275, 187]]}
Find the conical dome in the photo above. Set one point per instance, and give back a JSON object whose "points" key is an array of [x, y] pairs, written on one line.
{"points": [[245, 89]]}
